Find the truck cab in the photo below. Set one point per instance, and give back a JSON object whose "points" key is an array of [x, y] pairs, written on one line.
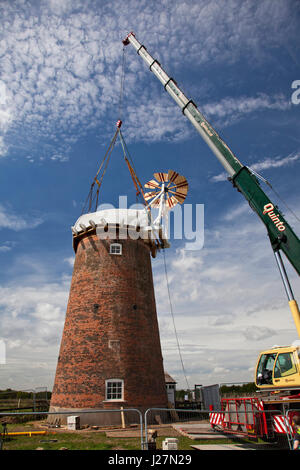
{"points": [[278, 368]]}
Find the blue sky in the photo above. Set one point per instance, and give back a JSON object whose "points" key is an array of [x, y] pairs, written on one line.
{"points": [[59, 95]]}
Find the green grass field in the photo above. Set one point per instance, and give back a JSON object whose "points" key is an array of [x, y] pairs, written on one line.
{"points": [[87, 440]]}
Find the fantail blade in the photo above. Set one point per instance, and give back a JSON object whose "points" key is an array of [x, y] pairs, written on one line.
{"points": [[171, 201], [152, 184], [150, 195], [161, 177]]}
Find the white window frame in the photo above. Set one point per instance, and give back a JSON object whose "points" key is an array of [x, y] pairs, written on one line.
{"points": [[120, 397], [118, 246]]}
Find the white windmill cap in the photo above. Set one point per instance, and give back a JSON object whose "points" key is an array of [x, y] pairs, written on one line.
{"points": [[122, 217]]}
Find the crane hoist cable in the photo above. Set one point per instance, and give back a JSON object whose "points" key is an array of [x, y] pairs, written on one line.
{"points": [[274, 191], [130, 164], [105, 165], [127, 157], [98, 179], [122, 81], [173, 319], [91, 198]]}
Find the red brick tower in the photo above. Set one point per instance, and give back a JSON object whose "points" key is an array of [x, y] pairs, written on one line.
{"points": [[110, 354]]}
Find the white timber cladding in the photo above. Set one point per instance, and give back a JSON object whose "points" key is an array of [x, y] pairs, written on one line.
{"points": [[114, 389], [130, 218]]}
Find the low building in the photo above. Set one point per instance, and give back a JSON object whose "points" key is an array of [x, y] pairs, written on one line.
{"points": [[171, 388]]}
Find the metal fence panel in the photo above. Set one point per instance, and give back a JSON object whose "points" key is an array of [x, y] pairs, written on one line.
{"points": [[52, 414]]}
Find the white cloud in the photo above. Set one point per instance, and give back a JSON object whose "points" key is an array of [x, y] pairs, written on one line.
{"points": [[5, 117], [228, 303], [226, 308], [10, 220], [60, 77], [255, 333], [229, 109], [59, 157], [275, 162], [3, 147], [7, 246], [4, 248], [61, 64], [237, 211], [70, 261], [32, 317], [153, 121], [60, 7], [269, 162]]}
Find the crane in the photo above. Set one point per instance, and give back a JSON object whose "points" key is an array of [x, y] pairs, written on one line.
{"points": [[281, 235]]}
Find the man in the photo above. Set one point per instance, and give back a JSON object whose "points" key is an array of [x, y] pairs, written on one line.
{"points": [[296, 423]]}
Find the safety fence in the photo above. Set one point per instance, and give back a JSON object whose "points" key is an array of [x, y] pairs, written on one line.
{"points": [[172, 416], [232, 421], [242, 418], [288, 428], [53, 417]]}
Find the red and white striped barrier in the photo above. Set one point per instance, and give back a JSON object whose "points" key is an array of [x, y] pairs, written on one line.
{"points": [[281, 424], [216, 418]]}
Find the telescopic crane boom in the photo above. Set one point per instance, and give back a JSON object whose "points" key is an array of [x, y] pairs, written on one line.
{"points": [[281, 235]]}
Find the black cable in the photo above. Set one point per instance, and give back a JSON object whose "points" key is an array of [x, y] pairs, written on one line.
{"points": [[171, 309], [122, 85], [275, 192]]}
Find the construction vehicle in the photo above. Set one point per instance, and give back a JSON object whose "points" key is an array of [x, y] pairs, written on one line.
{"points": [[277, 372]]}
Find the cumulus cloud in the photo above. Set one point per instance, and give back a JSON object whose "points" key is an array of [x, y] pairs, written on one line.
{"points": [[227, 307], [32, 317], [60, 78], [61, 65]]}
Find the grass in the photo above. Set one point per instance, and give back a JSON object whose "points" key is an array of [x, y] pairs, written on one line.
{"points": [[91, 441], [70, 441], [88, 440], [97, 440]]}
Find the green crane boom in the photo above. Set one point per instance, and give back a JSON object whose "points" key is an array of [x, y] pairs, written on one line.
{"points": [[281, 235]]}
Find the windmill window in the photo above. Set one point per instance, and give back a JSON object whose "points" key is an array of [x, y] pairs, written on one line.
{"points": [[114, 389], [115, 249]]}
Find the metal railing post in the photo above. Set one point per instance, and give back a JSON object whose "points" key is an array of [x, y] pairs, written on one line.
{"points": [[289, 435], [168, 410]]}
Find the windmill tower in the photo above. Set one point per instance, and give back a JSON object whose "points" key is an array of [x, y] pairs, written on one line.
{"points": [[110, 354]]}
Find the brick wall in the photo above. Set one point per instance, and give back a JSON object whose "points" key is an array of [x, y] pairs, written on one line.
{"points": [[110, 330]]}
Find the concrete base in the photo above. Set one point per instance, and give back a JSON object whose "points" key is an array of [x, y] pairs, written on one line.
{"points": [[94, 417], [199, 431], [106, 417], [222, 447]]}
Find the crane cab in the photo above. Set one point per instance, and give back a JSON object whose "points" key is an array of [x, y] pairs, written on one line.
{"points": [[278, 368]]}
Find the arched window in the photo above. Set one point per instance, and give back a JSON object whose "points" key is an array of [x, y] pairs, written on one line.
{"points": [[115, 249]]}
